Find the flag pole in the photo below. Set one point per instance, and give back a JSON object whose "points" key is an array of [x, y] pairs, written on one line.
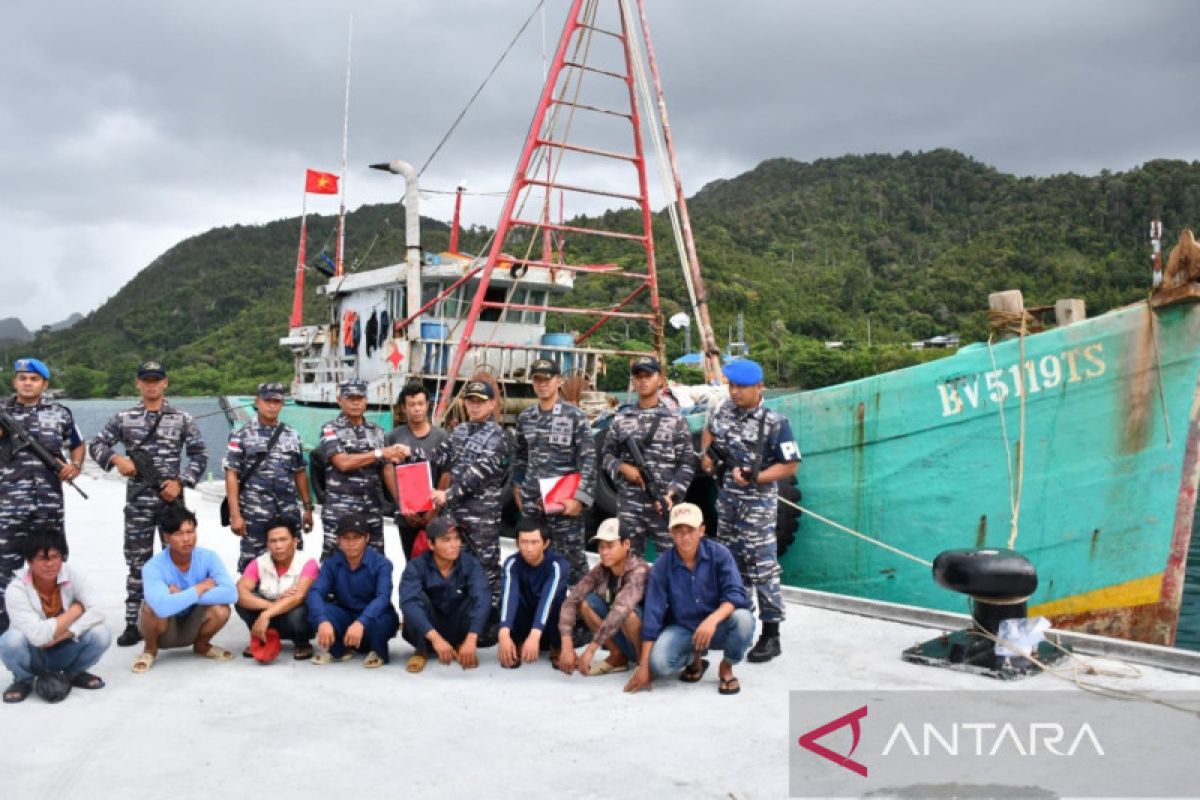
{"points": [[298, 301], [341, 240]]}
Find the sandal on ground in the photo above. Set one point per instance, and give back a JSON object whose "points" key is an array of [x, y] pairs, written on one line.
{"points": [[605, 668], [415, 663], [325, 657], [693, 674], [302, 652], [247, 653], [729, 685], [18, 691], [86, 680], [216, 653], [373, 660], [143, 663]]}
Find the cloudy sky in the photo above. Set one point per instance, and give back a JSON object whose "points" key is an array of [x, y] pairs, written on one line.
{"points": [[126, 126]]}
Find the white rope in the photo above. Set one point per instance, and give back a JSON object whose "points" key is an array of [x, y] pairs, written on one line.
{"points": [[852, 532]]}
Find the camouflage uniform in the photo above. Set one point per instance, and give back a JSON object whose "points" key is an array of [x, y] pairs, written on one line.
{"points": [[177, 433], [358, 491], [271, 490], [746, 514], [30, 495], [551, 444], [476, 454], [669, 457]]}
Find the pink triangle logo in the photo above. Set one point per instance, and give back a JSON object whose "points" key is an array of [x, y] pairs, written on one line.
{"points": [[809, 741]]}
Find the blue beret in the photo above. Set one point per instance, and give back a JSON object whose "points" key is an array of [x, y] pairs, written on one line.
{"points": [[743, 372], [32, 365]]}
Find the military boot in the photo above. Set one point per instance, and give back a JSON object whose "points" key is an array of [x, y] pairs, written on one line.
{"points": [[768, 645]]}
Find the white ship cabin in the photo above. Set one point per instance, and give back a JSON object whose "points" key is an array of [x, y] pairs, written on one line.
{"points": [[367, 337]]}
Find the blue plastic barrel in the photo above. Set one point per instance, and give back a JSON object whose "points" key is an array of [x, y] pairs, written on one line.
{"points": [[437, 354], [566, 361]]}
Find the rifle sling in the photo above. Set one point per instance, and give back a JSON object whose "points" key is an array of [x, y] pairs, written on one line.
{"points": [[260, 458]]}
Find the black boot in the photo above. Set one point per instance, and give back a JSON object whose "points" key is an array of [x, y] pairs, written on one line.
{"points": [[130, 637], [768, 645]]}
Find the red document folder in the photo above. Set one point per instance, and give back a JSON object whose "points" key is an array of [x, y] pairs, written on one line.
{"points": [[557, 491], [414, 482]]}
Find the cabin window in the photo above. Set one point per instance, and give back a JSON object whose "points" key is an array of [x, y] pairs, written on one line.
{"points": [[537, 297], [429, 291], [396, 305], [495, 294], [519, 296]]}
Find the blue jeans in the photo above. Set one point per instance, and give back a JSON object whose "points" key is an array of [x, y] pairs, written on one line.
{"points": [[72, 656], [674, 650], [597, 604]]}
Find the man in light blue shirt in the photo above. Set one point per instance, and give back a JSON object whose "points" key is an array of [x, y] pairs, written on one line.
{"points": [[187, 594]]}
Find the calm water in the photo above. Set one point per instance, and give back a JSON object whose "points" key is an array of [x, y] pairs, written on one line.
{"points": [[91, 415]]}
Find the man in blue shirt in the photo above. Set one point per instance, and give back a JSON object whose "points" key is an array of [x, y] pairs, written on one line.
{"points": [[695, 600], [535, 585], [186, 594], [445, 599], [350, 603]]}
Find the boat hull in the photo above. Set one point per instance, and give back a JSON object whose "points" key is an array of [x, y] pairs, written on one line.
{"points": [[927, 459]]}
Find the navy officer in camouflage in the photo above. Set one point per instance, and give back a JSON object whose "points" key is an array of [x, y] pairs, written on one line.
{"points": [[473, 460], [277, 486], [553, 439], [164, 433], [359, 469], [761, 451], [665, 444], [31, 496]]}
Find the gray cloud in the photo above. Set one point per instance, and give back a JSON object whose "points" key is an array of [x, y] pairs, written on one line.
{"points": [[125, 126]]}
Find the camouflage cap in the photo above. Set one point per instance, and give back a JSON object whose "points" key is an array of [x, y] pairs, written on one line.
{"points": [[544, 366], [270, 391], [352, 388]]}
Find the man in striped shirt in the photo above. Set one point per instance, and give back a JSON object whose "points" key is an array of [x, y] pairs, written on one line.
{"points": [[535, 584]]}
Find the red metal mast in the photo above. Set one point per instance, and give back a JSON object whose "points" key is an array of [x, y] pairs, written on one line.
{"points": [[537, 168]]}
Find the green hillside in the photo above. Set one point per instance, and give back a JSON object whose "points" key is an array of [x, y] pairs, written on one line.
{"points": [[909, 244]]}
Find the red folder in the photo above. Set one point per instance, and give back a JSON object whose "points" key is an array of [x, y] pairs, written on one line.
{"points": [[414, 482], [557, 491]]}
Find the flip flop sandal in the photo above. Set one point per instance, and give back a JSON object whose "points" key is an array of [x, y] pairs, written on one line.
{"points": [[143, 663], [325, 657], [373, 660], [216, 653], [303, 652], [18, 691], [415, 663], [86, 680], [693, 675], [605, 668], [729, 685]]}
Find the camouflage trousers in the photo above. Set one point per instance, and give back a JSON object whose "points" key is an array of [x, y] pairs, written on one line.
{"points": [[339, 505], [254, 543], [23, 508], [141, 525], [746, 525], [642, 523], [566, 537], [481, 528]]}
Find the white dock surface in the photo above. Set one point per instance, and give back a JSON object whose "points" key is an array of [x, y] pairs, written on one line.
{"points": [[196, 728]]}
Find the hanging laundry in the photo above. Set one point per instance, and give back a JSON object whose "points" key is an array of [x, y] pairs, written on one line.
{"points": [[357, 334], [349, 332], [385, 328], [372, 334]]}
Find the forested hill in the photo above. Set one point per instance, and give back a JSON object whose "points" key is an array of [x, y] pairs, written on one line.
{"points": [[808, 251]]}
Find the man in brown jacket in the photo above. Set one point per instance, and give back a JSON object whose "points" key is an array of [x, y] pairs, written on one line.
{"points": [[608, 598]]}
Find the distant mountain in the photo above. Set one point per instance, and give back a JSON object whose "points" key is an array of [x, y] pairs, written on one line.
{"points": [[66, 323], [907, 246], [13, 330]]}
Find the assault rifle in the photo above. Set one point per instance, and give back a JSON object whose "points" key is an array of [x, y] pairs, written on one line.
{"points": [[723, 461], [653, 487], [21, 440], [150, 476]]}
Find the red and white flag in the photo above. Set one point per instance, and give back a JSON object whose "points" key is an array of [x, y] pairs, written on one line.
{"points": [[320, 182]]}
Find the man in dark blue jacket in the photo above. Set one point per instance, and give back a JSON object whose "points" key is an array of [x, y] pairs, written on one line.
{"points": [[350, 603], [695, 600], [445, 600], [535, 585]]}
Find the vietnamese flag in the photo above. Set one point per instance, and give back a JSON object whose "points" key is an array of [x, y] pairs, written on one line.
{"points": [[320, 182]]}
